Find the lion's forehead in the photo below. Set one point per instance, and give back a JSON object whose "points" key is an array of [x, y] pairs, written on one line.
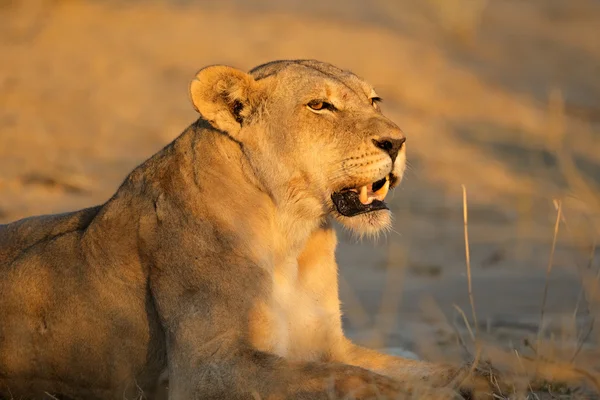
{"points": [[305, 72]]}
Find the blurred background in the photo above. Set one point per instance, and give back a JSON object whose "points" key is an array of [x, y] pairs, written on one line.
{"points": [[501, 96]]}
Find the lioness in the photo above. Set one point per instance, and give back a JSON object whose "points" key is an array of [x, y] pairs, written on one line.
{"points": [[215, 258]]}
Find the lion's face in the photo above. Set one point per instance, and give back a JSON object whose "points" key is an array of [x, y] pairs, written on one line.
{"points": [[318, 131]]}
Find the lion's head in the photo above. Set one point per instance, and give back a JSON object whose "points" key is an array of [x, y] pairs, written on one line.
{"points": [[311, 131]]}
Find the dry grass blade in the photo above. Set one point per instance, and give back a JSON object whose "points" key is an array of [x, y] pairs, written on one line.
{"points": [[466, 321], [468, 257], [549, 270], [591, 296], [525, 372]]}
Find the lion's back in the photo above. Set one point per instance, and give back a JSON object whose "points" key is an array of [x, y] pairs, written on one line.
{"points": [[18, 236]]}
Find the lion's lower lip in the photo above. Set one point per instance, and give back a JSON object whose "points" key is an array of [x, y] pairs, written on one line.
{"points": [[367, 198], [348, 204]]}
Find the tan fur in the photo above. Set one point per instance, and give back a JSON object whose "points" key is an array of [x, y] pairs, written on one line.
{"points": [[215, 259]]}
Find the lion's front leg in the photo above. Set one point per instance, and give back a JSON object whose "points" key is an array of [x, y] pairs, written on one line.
{"points": [[226, 367], [415, 373], [318, 269]]}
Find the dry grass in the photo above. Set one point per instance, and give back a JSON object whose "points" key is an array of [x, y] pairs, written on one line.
{"points": [[501, 96]]}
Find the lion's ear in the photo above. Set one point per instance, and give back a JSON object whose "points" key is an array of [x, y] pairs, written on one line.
{"points": [[223, 96]]}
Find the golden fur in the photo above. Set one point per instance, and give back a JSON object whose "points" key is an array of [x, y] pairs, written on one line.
{"points": [[215, 259]]}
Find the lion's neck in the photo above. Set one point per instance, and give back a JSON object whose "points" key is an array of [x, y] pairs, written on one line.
{"points": [[276, 218]]}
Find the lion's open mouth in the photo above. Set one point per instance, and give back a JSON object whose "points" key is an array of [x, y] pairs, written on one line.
{"points": [[355, 201]]}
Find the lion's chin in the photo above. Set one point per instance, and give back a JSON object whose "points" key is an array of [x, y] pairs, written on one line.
{"points": [[370, 224]]}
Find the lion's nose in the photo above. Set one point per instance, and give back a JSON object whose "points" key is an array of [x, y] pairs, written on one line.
{"points": [[390, 145]]}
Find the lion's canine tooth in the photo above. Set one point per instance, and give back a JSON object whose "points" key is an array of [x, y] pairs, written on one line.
{"points": [[364, 198], [383, 191]]}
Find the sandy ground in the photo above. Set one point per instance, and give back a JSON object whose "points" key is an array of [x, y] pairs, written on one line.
{"points": [[502, 96]]}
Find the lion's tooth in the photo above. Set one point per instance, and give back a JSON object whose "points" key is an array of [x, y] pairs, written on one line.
{"points": [[363, 196], [383, 191]]}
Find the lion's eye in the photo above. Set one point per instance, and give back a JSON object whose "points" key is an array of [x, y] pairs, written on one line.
{"points": [[318, 105], [374, 101]]}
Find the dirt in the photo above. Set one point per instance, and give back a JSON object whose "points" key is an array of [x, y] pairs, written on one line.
{"points": [[501, 96]]}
